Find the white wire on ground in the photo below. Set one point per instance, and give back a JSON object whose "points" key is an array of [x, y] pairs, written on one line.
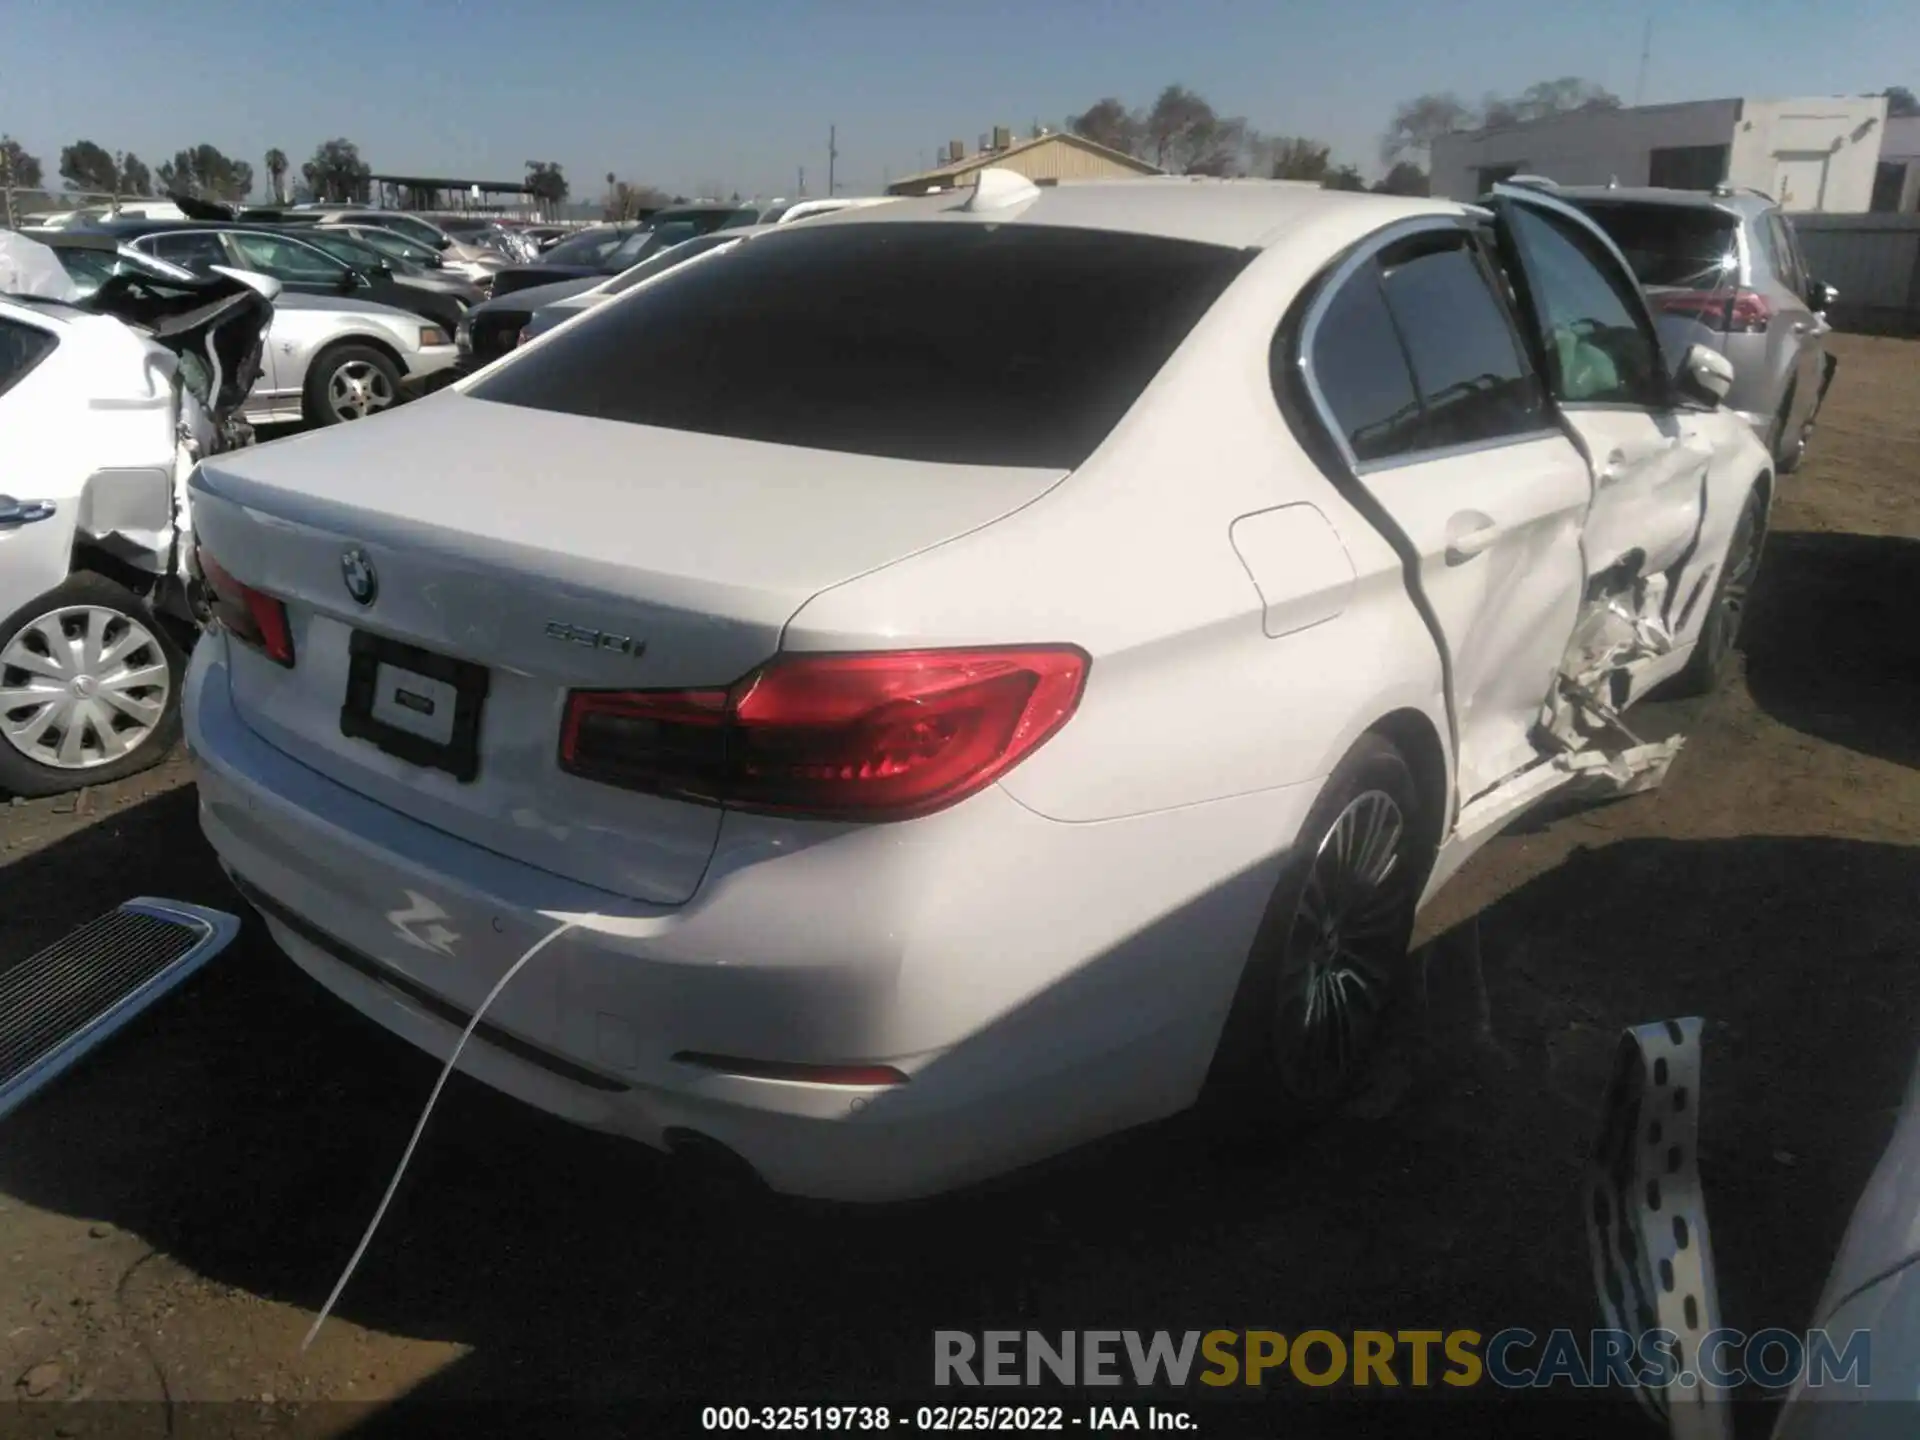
{"points": [[445, 1070]]}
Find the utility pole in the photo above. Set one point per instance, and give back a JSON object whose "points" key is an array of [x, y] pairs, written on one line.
{"points": [[833, 154], [801, 189], [1646, 55]]}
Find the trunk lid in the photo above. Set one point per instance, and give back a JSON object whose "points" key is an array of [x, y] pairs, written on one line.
{"points": [[532, 543]]}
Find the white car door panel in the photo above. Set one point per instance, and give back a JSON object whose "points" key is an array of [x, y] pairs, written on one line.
{"points": [[1415, 366], [1648, 470], [1498, 538]]}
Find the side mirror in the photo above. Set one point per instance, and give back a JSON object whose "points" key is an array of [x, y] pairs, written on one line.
{"points": [[1705, 375], [443, 243], [1820, 296]]}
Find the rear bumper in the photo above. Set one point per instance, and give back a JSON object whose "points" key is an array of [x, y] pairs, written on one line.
{"points": [[1039, 983]]}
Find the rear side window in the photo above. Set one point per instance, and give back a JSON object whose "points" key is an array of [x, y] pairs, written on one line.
{"points": [[1673, 246], [21, 348], [965, 343], [285, 259], [1473, 383], [198, 251], [1415, 353], [1786, 245], [1362, 374]]}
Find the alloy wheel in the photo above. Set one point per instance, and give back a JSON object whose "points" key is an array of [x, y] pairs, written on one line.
{"points": [[358, 389], [81, 687], [1343, 948]]}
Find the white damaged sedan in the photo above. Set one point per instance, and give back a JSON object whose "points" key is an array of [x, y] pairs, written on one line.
{"points": [[967, 672]]}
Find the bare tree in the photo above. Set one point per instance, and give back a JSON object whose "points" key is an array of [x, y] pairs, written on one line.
{"points": [[627, 201], [1418, 122], [1405, 178], [1559, 97], [1108, 122], [1294, 157], [1183, 135]]}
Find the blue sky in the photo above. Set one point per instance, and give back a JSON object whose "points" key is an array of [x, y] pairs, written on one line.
{"points": [[739, 93]]}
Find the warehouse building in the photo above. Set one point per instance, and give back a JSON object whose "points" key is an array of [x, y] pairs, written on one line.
{"points": [[1896, 185], [1819, 154], [1047, 156]]}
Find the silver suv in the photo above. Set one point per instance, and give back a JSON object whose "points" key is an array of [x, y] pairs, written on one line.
{"points": [[1728, 261]]}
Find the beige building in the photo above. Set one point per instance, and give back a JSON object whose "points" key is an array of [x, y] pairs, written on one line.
{"points": [[1816, 154], [1044, 157]]}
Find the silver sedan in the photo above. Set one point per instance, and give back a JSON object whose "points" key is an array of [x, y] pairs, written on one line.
{"points": [[331, 359]]}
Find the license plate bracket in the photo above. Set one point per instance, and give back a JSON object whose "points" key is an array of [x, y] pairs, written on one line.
{"points": [[377, 665]]}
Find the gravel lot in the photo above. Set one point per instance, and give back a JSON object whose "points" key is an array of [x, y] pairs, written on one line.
{"points": [[172, 1213]]}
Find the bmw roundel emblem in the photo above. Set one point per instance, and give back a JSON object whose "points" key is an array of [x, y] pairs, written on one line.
{"points": [[363, 581]]}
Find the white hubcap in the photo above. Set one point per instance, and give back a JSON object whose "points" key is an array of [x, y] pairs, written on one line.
{"points": [[82, 687]]}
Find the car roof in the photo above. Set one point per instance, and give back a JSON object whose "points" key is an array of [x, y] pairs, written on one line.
{"points": [[1237, 213]]}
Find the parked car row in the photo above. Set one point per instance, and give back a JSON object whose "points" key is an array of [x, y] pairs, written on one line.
{"points": [[604, 259]]}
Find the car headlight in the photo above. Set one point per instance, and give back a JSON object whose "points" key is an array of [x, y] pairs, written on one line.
{"points": [[433, 335]]}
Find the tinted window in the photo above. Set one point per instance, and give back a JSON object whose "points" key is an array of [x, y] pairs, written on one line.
{"points": [[1472, 381], [285, 259], [644, 243], [405, 224], [1598, 349], [589, 247], [1672, 245], [667, 259], [964, 343], [196, 251], [1786, 245], [346, 249], [1362, 373], [21, 348], [1687, 167]]}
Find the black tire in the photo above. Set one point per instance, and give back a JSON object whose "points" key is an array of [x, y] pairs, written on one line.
{"points": [[1727, 611], [21, 773], [1273, 1064], [358, 364]]}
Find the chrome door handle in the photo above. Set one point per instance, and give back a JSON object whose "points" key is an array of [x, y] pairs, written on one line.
{"points": [[1610, 470], [23, 512], [1801, 327]]}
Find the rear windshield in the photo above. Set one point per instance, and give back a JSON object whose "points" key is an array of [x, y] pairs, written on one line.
{"points": [[1673, 246], [1017, 345], [589, 247]]}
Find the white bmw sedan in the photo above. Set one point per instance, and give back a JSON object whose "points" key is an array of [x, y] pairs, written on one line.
{"points": [[968, 674]]}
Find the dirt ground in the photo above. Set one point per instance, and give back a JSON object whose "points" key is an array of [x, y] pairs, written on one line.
{"points": [[173, 1212]]}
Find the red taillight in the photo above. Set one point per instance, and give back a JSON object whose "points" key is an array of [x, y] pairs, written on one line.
{"points": [[853, 737], [1739, 312], [249, 615]]}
